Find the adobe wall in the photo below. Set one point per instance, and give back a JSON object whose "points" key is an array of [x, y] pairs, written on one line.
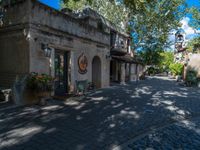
{"points": [[194, 63], [14, 56]]}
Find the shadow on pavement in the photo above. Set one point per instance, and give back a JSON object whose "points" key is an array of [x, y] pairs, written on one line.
{"points": [[101, 120]]}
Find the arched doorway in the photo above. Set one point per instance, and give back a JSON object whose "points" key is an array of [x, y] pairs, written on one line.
{"points": [[96, 71]]}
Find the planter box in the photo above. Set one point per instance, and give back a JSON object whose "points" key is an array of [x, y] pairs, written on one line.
{"points": [[33, 97]]}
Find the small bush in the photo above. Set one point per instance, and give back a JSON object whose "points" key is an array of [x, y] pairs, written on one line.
{"points": [[151, 71], [176, 68], [191, 78]]}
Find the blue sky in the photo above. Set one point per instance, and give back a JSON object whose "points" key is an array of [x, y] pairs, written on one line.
{"points": [[52, 3], [193, 2]]}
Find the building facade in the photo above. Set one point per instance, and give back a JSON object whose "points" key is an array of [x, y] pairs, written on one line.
{"points": [[70, 47]]}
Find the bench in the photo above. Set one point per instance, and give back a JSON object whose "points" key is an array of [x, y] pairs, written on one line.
{"points": [[81, 86]]}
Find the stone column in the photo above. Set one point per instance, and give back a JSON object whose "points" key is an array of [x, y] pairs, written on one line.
{"points": [[123, 74], [118, 69], [129, 74], [72, 75], [52, 62], [184, 72], [137, 72]]}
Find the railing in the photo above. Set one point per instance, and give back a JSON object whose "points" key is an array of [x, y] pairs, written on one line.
{"points": [[119, 48]]}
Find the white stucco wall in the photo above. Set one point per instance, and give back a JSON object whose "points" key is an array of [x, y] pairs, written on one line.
{"points": [[194, 63]]}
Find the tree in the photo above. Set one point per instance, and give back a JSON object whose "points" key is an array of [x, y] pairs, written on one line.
{"points": [[116, 13], [153, 25], [151, 57], [167, 59], [195, 11], [194, 45], [148, 21], [176, 68]]}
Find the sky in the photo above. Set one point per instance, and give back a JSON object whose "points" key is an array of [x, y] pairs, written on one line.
{"points": [[53, 3]]}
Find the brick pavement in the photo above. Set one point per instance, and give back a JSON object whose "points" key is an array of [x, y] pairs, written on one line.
{"points": [[102, 120]]}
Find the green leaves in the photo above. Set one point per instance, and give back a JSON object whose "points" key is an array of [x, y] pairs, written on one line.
{"points": [[148, 21], [194, 45], [176, 68], [167, 58], [195, 11], [116, 12]]}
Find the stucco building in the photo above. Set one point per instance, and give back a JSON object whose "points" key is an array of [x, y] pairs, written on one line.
{"points": [[70, 47], [190, 60]]}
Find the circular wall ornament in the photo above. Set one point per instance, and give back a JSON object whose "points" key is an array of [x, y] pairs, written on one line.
{"points": [[82, 64]]}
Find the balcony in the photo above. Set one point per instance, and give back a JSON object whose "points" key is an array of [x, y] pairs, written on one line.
{"points": [[118, 49]]}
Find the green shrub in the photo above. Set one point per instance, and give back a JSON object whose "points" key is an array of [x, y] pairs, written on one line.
{"points": [[191, 77], [176, 68], [151, 70]]}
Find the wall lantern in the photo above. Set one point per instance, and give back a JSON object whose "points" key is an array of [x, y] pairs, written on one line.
{"points": [[2, 11], [108, 56], [47, 50]]}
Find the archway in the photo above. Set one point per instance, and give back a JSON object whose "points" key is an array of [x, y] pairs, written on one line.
{"points": [[96, 71]]}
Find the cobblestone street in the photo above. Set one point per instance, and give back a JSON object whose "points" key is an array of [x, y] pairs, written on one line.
{"points": [[156, 113]]}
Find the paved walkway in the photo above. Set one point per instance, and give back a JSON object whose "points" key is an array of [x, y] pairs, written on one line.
{"points": [[119, 117]]}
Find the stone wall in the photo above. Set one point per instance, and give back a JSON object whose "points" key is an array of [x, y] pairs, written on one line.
{"points": [[133, 72], [75, 46], [61, 32], [55, 40], [44, 16], [17, 14], [90, 50], [14, 57], [14, 46], [194, 63]]}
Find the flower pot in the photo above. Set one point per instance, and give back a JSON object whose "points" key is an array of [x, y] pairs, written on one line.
{"points": [[44, 94], [30, 97]]}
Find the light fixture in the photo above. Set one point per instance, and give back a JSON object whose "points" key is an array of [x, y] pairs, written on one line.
{"points": [[108, 56], [46, 49], [2, 11]]}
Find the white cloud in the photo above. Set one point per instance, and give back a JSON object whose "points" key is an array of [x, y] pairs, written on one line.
{"points": [[186, 27], [189, 31]]}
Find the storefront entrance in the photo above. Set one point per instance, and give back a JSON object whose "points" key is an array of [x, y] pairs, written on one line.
{"points": [[96, 71], [61, 73]]}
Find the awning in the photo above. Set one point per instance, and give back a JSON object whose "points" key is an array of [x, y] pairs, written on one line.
{"points": [[127, 59], [118, 52]]}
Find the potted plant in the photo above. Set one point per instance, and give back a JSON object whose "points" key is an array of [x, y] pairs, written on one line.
{"points": [[39, 85]]}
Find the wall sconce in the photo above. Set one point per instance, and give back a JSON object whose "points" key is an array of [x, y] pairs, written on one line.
{"points": [[108, 56], [47, 50], [2, 11]]}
